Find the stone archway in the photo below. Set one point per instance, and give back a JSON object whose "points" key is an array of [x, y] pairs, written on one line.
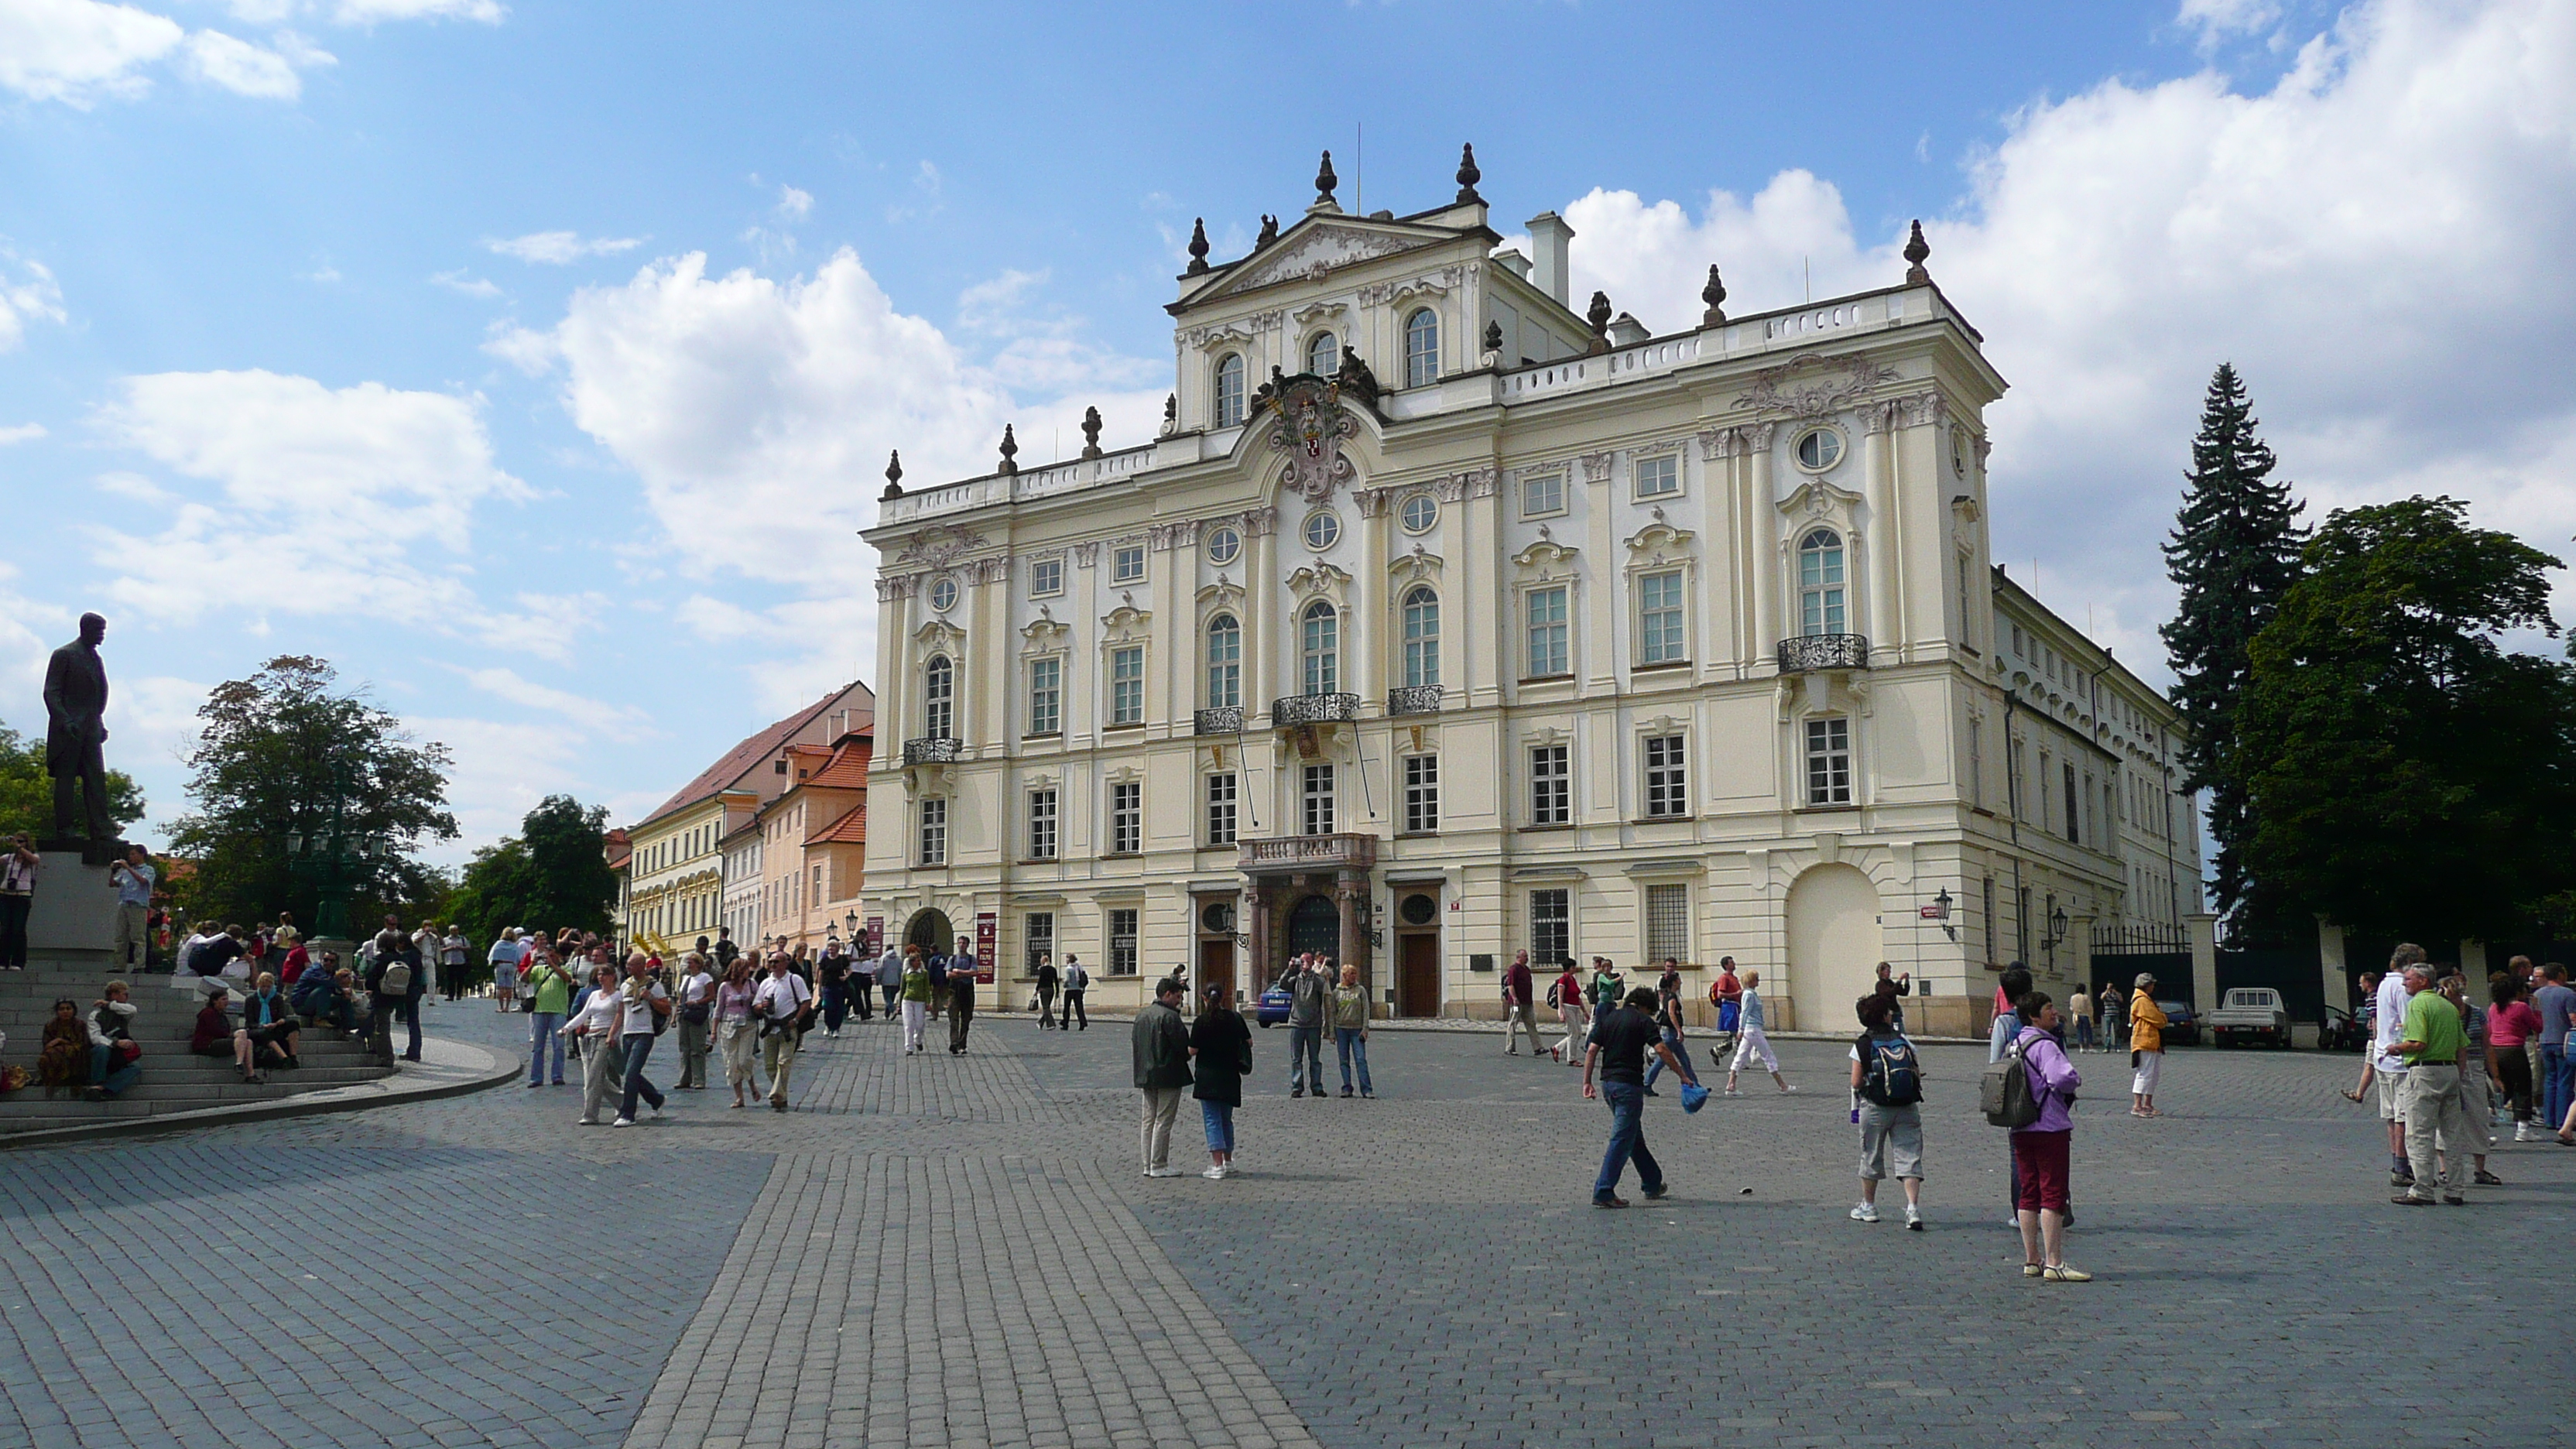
{"points": [[931, 932], [1835, 945]]}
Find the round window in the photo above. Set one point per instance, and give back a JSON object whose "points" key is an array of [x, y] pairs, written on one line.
{"points": [[1217, 918], [943, 594], [1418, 910], [1419, 513], [1819, 449], [1323, 529], [1224, 545]]}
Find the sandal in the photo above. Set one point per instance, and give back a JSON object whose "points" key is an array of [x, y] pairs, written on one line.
{"points": [[2351, 1096]]}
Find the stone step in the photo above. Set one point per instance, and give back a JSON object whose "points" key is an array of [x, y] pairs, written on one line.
{"points": [[29, 1100]]}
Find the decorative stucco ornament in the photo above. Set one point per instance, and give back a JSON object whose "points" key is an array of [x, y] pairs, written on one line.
{"points": [[1312, 424]]}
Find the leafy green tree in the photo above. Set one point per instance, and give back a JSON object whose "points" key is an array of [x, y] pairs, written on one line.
{"points": [[550, 876], [2234, 551], [288, 752], [2407, 775], [27, 792]]}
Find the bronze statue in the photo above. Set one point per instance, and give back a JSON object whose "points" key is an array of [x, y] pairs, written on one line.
{"points": [[75, 731]]}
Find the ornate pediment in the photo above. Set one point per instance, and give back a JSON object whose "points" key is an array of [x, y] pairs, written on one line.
{"points": [[939, 545], [1044, 634], [1812, 385], [1320, 580], [937, 635], [1225, 593], [1817, 500], [1125, 624], [1312, 252], [1419, 566], [1546, 559], [1659, 542]]}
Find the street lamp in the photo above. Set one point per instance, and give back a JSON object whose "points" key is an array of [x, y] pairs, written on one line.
{"points": [[1941, 912], [2056, 933]]}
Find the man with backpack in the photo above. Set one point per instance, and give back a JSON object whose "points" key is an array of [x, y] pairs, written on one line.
{"points": [[1726, 993], [1887, 1098]]}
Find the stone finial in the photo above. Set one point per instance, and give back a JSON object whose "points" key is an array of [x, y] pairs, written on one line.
{"points": [[1269, 231], [1468, 176], [1916, 249], [1198, 246], [1010, 450], [1493, 337], [1599, 314], [1091, 432], [1171, 407], [1325, 181], [1714, 294], [894, 477]]}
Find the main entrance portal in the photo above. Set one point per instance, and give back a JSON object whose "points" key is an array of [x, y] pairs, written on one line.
{"points": [[1314, 925], [931, 932]]}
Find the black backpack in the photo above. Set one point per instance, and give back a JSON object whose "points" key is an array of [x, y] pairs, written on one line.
{"points": [[1890, 1074], [2004, 1093]]}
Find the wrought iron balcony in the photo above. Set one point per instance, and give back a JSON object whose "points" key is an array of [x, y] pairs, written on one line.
{"points": [[1223, 720], [1289, 853], [1306, 709], [1824, 651], [930, 750], [1413, 699]]}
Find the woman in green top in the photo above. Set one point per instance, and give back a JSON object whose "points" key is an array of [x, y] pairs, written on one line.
{"points": [[1350, 1028], [916, 998], [549, 999]]}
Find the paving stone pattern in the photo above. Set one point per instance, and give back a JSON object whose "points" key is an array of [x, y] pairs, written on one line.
{"points": [[946, 1251]]}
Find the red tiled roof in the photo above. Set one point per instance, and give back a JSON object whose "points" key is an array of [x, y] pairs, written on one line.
{"points": [[850, 829], [616, 847], [740, 760], [847, 768]]}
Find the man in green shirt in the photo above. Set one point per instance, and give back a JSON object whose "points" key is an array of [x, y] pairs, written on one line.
{"points": [[2430, 1043]]}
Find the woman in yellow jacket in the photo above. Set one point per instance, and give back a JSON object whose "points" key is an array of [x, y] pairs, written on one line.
{"points": [[2146, 1047]]}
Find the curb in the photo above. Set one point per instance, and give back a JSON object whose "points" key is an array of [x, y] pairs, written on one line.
{"points": [[386, 1092]]}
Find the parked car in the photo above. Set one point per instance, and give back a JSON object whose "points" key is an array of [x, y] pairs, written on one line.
{"points": [[1273, 1008], [2250, 1014], [2182, 1025]]}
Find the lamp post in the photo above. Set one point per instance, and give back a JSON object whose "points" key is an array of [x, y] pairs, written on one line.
{"points": [[2056, 933]]}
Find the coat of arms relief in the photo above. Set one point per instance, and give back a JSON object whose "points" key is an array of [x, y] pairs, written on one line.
{"points": [[1312, 424]]}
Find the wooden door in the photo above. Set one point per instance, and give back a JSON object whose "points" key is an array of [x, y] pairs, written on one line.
{"points": [[1216, 968], [1417, 976]]}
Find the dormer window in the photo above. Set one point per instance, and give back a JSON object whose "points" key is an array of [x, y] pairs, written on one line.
{"points": [[1421, 348], [1324, 354], [1229, 390]]}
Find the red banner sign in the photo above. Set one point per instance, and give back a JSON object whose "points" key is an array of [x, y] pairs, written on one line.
{"points": [[988, 930]]}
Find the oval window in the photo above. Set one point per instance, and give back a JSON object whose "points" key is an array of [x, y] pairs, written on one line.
{"points": [[1217, 918], [943, 595], [1419, 513], [1819, 449], [1224, 546], [1418, 910], [1323, 529]]}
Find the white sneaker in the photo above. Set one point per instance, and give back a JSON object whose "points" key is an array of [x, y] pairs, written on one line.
{"points": [[1164, 1172], [1788, 1091], [1865, 1213], [1914, 1218], [2522, 1133], [623, 1122], [1214, 1173]]}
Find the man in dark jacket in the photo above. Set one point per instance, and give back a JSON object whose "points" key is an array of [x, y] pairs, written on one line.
{"points": [[1517, 1018], [1161, 1047], [1309, 992]]}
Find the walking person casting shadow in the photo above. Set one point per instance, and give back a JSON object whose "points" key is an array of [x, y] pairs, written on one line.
{"points": [[1620, 1037]]}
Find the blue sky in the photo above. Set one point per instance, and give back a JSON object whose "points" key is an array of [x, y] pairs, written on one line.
{"points": [[535, 363]]}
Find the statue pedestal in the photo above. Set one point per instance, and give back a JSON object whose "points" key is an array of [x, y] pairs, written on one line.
{"points": [[72, 921]]}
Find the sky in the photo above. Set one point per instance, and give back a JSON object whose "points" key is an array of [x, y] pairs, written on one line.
{"points": [[536, 364]]}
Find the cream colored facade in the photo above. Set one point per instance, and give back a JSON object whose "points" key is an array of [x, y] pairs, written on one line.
{"points": [[1571, 639]]}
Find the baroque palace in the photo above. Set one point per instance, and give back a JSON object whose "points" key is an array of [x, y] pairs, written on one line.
{"points": [[1442, 621]]}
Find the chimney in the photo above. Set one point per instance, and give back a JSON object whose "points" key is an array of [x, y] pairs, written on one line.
{"points": [[1549, 237]]}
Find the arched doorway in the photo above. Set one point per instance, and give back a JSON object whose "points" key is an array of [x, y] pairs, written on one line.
{"points": [[931, 932], [1834, 945], [1315, 924]]}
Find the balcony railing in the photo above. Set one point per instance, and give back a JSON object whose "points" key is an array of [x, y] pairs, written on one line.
{"points": [[1413, 699], [1223, 720], [1824, 651], [1304, 709], [930, 750], [1307, 852]]}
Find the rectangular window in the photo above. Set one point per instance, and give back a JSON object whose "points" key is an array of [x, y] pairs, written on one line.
{"points": [[1122, 942], [1659, 477], [1046, 580], [1127, 564], [2073, 809], [1659, 619], [1551, 786], [1037, 934], [1221, 790], [1548, 654], [1046, 696], [1551, 927], [1127, 685], [1829, 761], [1542, 494], [1319, 799], [1667, 923], [1977, 763], [934, 832], [1986, 923], [1126, 817], [1967, 634], [1421, 793], [1666, 792], [1042, 822]]}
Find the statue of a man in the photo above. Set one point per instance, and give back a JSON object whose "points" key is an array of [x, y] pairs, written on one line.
{"points": [[75, 729]]}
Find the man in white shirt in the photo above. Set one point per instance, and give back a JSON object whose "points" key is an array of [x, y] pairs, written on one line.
{"points": [[451, 959], [779, 1002], [426, 942], [2387, 1031]]}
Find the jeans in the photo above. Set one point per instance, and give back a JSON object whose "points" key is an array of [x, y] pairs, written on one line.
{"points": [[836, 1007], [1681, 1054], [863, 997], [1306, 1058], [1218, 1119], [1349, 1042], [2083, 1033], [639, 1050], [544, 1027], [408, 1011], [1627, 1142], [2557, 1082], [109, 1082], [891, 990]]}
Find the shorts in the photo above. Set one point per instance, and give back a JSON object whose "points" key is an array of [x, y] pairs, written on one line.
{"points": [[1891, 1132], [2041, 1169], [2392, 1086], [505, 978]]}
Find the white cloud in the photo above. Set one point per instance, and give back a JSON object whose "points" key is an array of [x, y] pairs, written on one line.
{"points": [[457, 281], [795, 204], [2377, 242], [2214, 21], [566, 709], [78, 51], [368, 12], [244, 68], [558, 248], [28, 293], [21, 433]]}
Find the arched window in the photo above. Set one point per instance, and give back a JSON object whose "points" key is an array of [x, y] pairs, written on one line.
{"points": [[1421, 349], [1323, 639], [1820, 585], [1229, 390], [1224, 662], [939, 697], [1324, 354], [1422, 637]]}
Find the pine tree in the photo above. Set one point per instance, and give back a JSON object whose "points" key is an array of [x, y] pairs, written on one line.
{"points": [[2234, 552]]}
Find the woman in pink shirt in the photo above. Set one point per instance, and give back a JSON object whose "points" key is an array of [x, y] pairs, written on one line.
{"points": [[2509, 1025]]}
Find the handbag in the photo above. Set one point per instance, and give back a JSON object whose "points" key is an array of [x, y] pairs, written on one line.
{"points": [[126, 1052]]}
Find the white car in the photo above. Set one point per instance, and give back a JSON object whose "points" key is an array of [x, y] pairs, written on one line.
{"points": [[2249, 1013]]}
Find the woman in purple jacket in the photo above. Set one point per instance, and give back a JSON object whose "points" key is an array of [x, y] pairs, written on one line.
{"points": [[2040, 1149]]}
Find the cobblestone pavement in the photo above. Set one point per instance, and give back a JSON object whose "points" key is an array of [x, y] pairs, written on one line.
{"points": [[941, 1251]]}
